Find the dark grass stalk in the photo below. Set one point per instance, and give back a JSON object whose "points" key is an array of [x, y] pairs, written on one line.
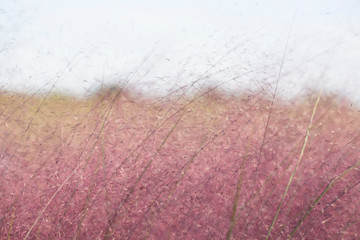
{"points": [[236, 200], [340, 195], [85, 211], [328, 187], [297, 164], [11, 224]]}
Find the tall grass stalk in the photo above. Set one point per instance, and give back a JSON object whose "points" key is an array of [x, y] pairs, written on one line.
{"points": [[11, 224], [297, 164], [236, 200]]}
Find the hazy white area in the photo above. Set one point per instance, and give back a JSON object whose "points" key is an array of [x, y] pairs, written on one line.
{"points": [[158, 45]]}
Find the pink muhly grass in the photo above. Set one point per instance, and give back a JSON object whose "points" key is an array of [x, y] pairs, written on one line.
{"points": [[127, 167]]}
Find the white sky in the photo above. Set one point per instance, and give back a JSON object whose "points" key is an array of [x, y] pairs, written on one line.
{"points": [[160, 44]]}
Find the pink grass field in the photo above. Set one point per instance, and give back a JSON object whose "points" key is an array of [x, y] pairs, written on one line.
{"points": [[120, 166]]}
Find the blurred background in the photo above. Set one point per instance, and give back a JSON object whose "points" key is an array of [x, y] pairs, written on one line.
{"points": [[158, 46]]}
